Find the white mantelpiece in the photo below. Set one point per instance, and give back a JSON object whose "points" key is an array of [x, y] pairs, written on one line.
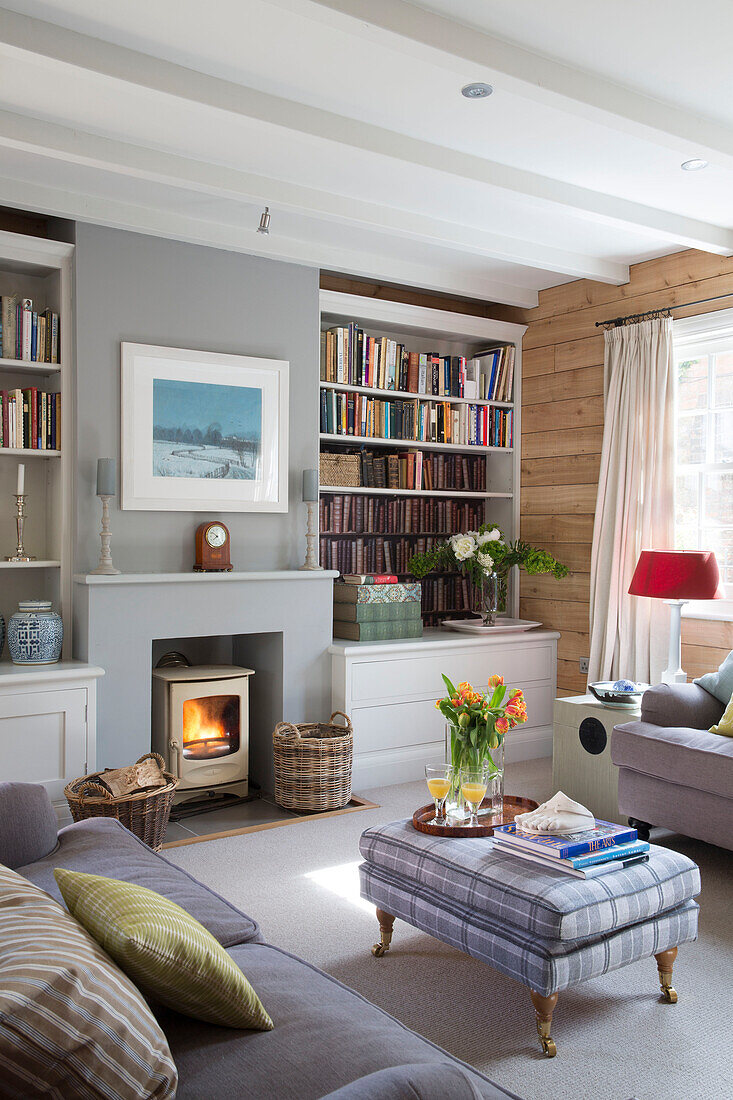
{"points": [[280, 623], [204, 578]]}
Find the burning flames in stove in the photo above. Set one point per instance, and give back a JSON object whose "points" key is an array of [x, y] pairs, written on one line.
{"points": [[210, 727]]}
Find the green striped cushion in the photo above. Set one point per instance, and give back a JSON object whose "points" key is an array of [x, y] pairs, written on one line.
{"points": [[71, 1024], [167, 953]]}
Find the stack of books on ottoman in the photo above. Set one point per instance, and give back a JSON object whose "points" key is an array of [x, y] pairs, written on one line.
{"points": [[376, 608], [597, 851]]}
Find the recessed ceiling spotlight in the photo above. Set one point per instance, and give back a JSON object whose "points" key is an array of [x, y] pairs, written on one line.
{"points": [[264, 226], [476, 90], [693, 165]]}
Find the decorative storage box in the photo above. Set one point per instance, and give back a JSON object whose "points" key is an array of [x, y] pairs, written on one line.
{"points": [[35, 633], [340, 469]]}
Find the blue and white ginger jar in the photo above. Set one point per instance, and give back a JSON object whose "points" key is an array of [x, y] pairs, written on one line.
{"points": [[35, 633]]}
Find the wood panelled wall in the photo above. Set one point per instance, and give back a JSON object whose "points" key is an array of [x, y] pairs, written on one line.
{"points": [[562, 431]]}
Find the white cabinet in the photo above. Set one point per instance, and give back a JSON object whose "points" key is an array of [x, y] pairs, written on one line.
{"points": [[389, 691], [47, 725]]}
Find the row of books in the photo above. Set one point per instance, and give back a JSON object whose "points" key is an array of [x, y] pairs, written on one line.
{"points": [[447, 596], [346, 513], [427, 422], [354, 358], [30, 419], [370, 554], [27, 334], [587, 854], [368, 610], [422, 470]]}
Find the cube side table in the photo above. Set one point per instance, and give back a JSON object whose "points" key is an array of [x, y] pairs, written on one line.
{"points": [[581, 752]]}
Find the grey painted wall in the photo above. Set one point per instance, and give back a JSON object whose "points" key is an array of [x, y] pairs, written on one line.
{"points": [[155, 291]]}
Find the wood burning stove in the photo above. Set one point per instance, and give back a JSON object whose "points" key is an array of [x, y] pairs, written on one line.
{"points": [[201, 727]]}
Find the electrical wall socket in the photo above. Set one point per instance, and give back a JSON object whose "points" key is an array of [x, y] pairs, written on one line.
{"points": [[584, 662]]}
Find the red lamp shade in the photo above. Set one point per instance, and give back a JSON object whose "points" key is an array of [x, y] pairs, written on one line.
{"points": [[677, 575]]}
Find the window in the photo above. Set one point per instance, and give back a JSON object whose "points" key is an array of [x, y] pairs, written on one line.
{"points": [[704, 438]]}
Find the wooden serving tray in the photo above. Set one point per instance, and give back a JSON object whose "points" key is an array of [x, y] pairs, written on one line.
{"points": [[513, 805]]}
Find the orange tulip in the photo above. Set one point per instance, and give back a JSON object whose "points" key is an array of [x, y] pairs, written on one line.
{"points": [[502, 725], [496, 681]]}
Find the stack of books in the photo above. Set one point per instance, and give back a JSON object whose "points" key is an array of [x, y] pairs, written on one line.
{"points": [[370, 608], [588, 854]]}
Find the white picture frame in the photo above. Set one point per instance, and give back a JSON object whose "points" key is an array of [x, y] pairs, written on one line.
{"points": [[203, 431]]}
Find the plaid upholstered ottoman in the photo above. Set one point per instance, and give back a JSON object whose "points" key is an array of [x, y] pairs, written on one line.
{"points": [[544, 928]]}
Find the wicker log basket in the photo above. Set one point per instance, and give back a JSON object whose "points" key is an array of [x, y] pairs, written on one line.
{"points": [[144, 813], [313, 764]]}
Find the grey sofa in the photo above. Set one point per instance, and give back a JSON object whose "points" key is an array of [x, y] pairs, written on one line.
{"points": [[327, 1039], [672, 771]]}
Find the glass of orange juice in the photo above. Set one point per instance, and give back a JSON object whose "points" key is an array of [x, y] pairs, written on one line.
{"points": [[438, 778], [474, 783]]}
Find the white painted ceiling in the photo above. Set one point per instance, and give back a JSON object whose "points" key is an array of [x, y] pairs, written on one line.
{"points": [[345, 117]]}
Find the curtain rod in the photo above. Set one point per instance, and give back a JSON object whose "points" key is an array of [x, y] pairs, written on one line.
{"points": [[634, 317]]}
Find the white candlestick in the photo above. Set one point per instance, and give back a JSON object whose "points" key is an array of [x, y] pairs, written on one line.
{"points": [[21, 480]]}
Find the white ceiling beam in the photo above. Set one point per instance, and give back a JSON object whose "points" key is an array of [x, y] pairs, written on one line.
{"points": [[432, 36], [163, 222], [90, 150], [81, 52]]}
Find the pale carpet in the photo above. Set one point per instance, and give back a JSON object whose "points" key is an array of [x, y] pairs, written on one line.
{"points": [[615, 1040]]}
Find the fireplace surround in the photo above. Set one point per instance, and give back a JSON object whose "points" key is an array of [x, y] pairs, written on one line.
{"points": [[201, 728]]}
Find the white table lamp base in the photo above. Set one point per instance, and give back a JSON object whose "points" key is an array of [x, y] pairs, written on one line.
{"points": [[674, 673]]}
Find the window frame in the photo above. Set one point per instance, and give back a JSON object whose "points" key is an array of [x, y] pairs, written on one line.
{"points": [[694, 336]]}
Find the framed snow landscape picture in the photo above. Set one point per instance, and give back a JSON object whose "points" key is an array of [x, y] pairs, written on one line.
{"points": [[203, 432]]}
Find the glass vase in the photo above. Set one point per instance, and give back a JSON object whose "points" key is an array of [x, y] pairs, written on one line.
{"points": [[487, 599], [456, 810]]}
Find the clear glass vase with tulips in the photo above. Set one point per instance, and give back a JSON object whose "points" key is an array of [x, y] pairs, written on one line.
{"points": [[478, 722]]}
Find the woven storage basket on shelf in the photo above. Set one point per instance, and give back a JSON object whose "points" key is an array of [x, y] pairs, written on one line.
{"points": [[340, 469], [313, 765], [144, 813]]}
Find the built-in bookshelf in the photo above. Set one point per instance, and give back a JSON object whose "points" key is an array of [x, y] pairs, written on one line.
{"points": [[39, 273], [437, 439]]}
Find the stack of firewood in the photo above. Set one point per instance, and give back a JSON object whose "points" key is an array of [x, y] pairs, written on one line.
{"points": [[137, 777]]}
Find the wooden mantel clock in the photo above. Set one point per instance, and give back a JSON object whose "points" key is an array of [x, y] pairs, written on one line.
{"points": [[212, 548]]}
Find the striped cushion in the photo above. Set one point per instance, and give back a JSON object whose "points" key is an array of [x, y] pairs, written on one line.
{"points": [[72, 1026], [515, 891], [164, 950]]}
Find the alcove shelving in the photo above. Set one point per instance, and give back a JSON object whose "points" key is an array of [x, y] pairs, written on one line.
{"points": [[41, 270], [424, 331]]}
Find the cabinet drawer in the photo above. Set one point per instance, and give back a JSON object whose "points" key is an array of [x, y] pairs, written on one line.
{"points": [[398, 677], [43, 738], [417, 722]]}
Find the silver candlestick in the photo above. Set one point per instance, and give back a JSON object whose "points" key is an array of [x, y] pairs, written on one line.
{"points": [[20, 554], [311, 534], [105, 566]]}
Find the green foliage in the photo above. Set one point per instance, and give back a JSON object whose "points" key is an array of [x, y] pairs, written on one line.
{"points": [[504, 555]]}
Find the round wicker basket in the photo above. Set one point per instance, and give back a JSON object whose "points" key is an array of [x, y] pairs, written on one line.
{"points": [[313, 764], [144, 813]]}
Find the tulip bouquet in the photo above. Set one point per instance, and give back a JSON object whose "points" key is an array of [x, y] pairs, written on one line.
{"points": [[479, 722]]}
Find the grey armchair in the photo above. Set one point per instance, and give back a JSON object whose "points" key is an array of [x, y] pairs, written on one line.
{"points": [[672, 771]]}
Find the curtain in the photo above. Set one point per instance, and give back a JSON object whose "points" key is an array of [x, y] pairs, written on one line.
{"points": [[629, 635]]}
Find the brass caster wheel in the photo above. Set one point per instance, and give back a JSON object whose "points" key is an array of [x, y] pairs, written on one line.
{"points": [[669, 995], [549, 1048], [379, 950]]}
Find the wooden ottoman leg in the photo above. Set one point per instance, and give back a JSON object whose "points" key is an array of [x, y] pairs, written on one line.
{"points": [[386, 921], [665, 962], [543, 1009]]}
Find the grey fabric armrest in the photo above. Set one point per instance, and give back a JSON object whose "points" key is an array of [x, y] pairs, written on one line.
{"points": [[685, 705], [433, 1081], [28, 826]]}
